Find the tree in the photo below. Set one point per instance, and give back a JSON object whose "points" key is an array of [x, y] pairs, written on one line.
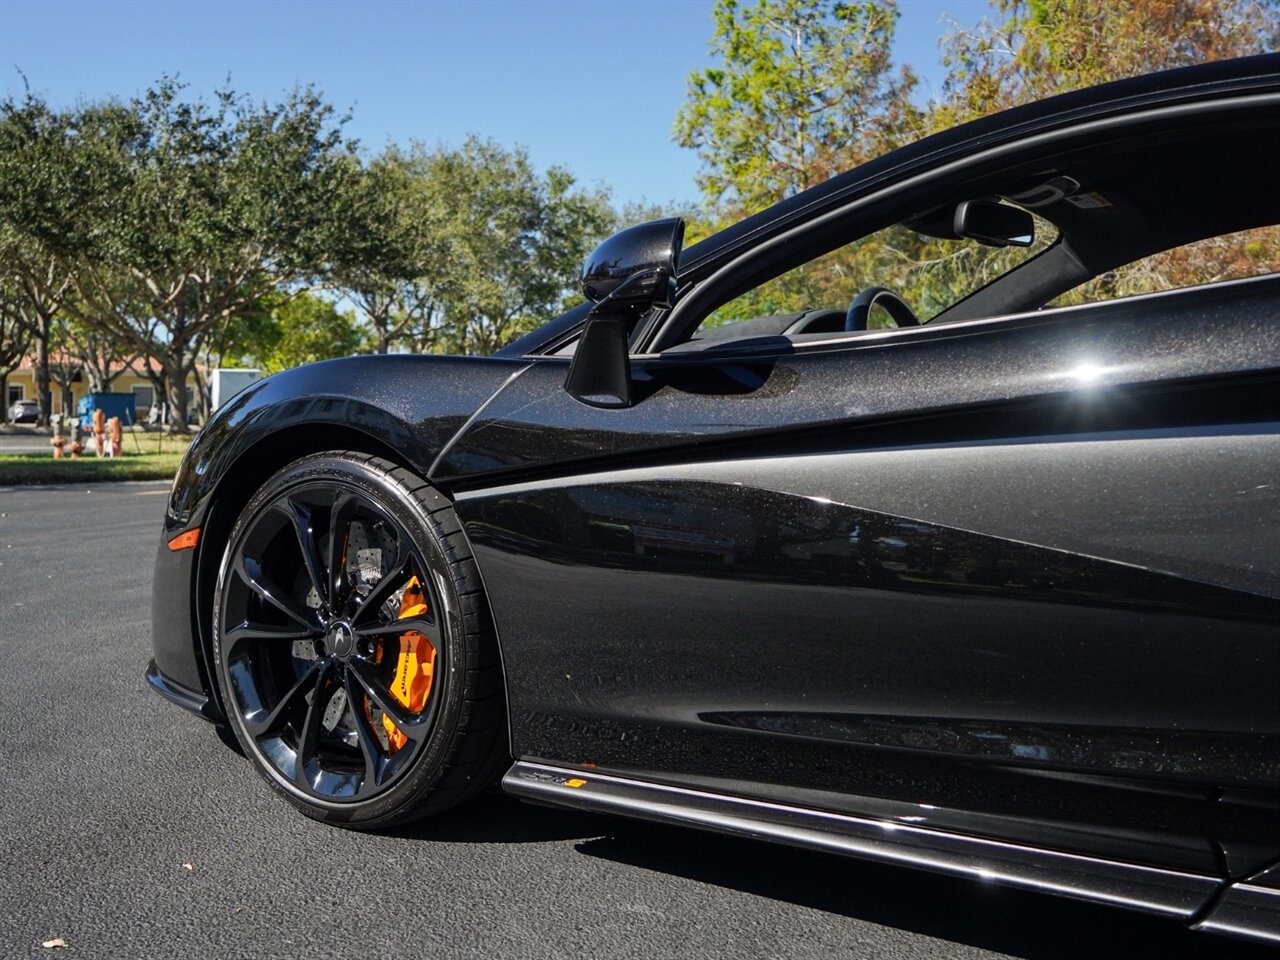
{"points": [[803, 89], [65, 367], [15, 339], [508, 242], [308, 329], [192, 210], [247, 338], [36, 283], [398, 249], [464, 249], [1044, 47], [103, 355]]}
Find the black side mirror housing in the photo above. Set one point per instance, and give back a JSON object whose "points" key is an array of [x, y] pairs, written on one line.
{"points": [[625, 276], [652, 247]]}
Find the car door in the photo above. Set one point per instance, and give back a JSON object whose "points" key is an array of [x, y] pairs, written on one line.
{"points": [[994, 575]]}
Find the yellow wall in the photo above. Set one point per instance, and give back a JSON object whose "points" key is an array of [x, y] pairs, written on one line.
{"points": [[121, 384]]}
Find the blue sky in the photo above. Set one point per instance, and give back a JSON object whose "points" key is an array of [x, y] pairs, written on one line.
{"points": [[590, 84]]}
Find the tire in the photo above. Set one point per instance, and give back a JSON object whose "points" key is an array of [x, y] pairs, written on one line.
{"points": [[323, 654]]}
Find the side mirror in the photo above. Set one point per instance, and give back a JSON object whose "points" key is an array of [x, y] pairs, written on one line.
{"points": [[625, 276], [652, 248], [995, 224]]}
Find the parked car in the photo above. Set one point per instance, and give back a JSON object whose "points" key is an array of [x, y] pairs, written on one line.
{"points": [[24, 411], [973, 575]]}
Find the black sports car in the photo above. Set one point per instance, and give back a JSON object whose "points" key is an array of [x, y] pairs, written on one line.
{"points": [[869, 524]]}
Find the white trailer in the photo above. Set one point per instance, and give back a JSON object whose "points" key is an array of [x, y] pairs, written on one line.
{"points": [[226, 382]]}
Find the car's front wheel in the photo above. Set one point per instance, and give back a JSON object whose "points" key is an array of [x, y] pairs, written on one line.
{"points": [[353, 646]]}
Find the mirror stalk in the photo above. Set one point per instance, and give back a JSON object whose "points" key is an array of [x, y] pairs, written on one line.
{"points": [[600, 374]]}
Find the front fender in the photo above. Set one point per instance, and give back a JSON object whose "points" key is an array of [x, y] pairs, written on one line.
{"points": [[406, 405], [411, 404]]}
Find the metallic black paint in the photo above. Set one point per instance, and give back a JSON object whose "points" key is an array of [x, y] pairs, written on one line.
{"points": [[1074, 511], [740, 391], [404, 407], [411, 404], [846, 630], [652, 248], [997, 584], [1207, 84], [173, 623]]}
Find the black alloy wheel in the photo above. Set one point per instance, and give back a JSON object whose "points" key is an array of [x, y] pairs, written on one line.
{"points": [[353, 646]]}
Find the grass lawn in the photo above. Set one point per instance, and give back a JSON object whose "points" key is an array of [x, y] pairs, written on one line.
{"points": [[158, 460]]}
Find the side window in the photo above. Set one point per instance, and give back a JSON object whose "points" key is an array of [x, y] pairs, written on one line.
{"points": [[928, 273], [1232, 256]]}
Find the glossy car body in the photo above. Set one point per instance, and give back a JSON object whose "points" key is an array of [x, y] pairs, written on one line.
{"points": [[998, 595]]}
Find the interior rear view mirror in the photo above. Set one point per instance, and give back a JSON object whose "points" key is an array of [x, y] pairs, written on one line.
{"points": [[995, 224]]}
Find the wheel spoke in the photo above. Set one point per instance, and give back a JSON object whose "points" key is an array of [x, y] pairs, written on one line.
{"points": [[427, 627], [401, 569], [251, 572], [369, 744], [340, 517], [300, 519], [410, 724], [260, 631], [258, 728], [309, 735]]}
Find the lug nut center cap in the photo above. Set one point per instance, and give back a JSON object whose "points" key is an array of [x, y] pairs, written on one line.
{"points": [[340, 640]]}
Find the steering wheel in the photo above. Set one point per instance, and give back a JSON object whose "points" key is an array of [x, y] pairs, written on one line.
{"points": [[894, 305]]}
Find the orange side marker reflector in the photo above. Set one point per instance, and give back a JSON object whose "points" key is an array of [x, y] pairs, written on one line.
{"points": [[185, 541], [575, 782]]}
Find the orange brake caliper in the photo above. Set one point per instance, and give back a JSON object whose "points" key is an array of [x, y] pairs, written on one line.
{"points": [[414, 670]]}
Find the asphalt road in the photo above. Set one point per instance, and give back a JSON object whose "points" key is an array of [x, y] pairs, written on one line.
{"points": [[129, 829], [24, 443]]}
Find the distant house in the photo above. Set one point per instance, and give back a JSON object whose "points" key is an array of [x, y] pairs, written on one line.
{"points": [[21, 385]]}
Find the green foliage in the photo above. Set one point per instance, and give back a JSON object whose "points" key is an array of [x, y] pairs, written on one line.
{"points": [[802, 89], [15, 335], [1045, 47], [473, 246], [306, 329], [248, 338], [1042, 47], [513, 241], [396, 248], [930, 274]]}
